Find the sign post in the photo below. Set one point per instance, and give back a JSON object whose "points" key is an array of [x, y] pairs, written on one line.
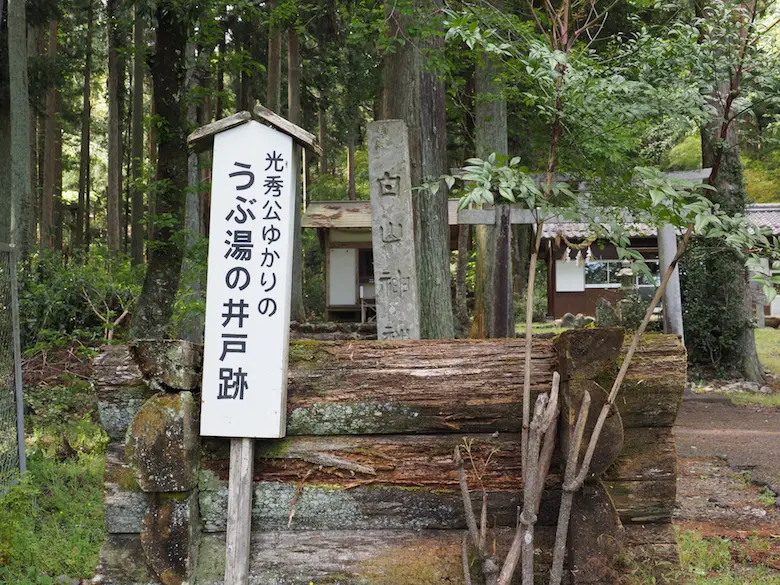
{"points": [[250, 259]]}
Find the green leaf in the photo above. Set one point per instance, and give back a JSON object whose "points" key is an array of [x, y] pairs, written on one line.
{"points": [[770, 293], [449, 180]]}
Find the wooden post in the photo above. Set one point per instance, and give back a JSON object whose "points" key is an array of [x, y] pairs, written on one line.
{"points": [[239, 519], [503, 314]]}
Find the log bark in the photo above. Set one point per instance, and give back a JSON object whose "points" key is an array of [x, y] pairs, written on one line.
{"points": [[335, 387]]}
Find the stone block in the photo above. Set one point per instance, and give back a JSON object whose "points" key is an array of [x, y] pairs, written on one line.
{"points": [[162, 444], [169, 364], [169, 536]]}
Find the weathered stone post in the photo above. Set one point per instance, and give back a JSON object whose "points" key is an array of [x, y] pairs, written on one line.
{"points": [[392, 227]]}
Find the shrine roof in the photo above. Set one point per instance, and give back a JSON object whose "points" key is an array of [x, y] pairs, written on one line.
{"points": [[357, 214]]}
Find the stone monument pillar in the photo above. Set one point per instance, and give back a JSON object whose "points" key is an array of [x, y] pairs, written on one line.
{"points": [[392, 227]]}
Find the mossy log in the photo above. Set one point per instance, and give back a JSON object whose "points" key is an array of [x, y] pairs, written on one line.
{"points": [[411, 481], [344, 557], [453, 386], [386, 557]]}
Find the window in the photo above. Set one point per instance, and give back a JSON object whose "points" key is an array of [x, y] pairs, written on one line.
{"points": [[365, 266], [604, 274]]}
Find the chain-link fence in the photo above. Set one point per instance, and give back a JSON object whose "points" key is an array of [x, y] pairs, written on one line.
{"points": [[12, 460]]}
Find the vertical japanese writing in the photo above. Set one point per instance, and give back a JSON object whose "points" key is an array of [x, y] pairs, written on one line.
{"points": [[248, 290]]}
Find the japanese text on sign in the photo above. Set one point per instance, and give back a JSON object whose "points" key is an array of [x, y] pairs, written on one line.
{"points": [[247, 304]]}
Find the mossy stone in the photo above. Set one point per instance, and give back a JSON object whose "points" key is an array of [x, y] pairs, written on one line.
{"points": [[162, 444]]}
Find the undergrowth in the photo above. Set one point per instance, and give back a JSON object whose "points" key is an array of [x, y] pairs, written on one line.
{"points": [[51, 522]]}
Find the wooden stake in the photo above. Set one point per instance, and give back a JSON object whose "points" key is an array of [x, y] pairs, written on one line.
{"points": [[239, 518]]}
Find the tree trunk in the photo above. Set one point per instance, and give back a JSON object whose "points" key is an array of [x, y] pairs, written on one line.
{"points": [[297, 312], [351, 191], [461, 291], [273, 95], [155, 305], [723, 156], [49, 150], [113, 185], [490, 136], [137, 153], [433, 232], [401, 85], [6, 196], [86, 112], [322, 118], [21, 195], [59, 213], [151, 198]]}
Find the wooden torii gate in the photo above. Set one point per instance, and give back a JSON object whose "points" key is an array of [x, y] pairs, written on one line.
{"points": [[504, 216]]}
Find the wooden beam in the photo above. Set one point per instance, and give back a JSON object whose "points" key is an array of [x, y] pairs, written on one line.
{"points": [[203, 138], [304, 138]]}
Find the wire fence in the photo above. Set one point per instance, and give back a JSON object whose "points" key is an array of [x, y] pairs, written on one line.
{"points": [[12, 458]]}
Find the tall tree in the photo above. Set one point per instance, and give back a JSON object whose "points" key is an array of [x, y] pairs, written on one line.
{"points": [[155, 305], [294, 115], [405, 91], [114, 183], [431, 206], [273, 95], [49, 148], [22, 218], [490, 136], [86, 118], [137, 151]]}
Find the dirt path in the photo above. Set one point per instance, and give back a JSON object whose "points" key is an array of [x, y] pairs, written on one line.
{"points": [[746, 437]]}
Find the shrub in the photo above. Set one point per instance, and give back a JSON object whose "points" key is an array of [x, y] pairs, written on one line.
{"points": [[713, 317], [60, 294]]}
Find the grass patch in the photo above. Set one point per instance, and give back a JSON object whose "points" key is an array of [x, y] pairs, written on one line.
{"points": [[748, 398], [768, 346], [721, 561], [51, 523]]}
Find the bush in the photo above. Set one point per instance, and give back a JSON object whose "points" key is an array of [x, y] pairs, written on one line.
{"points": [[713, 315], [62, 295]]}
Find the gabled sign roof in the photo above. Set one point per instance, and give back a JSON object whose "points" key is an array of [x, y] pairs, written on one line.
{"points": [[203, 138]]}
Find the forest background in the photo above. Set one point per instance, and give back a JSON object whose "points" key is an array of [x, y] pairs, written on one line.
{"points": [[107, 197]]}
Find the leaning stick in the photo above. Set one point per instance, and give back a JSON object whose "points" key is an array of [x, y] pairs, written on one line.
{"points": [[569, 487], [545, 414], [529, 314]]}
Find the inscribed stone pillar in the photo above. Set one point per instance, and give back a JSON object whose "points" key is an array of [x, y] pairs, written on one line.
{"points": [[392, 228]]}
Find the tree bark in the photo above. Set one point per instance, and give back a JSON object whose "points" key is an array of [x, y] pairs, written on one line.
{"points": [[155, 305], [401, 85], [49, 150], [113, 186], [490, 136], [137, 151], [86, 114], [59, 213], [433, 246], [461, 291], [297, 312], [322, 118], [273, 95], [22, 207], [351, 191]]}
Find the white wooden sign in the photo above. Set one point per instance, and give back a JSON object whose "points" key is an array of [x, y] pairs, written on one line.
{"points": [[250, 256]]}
